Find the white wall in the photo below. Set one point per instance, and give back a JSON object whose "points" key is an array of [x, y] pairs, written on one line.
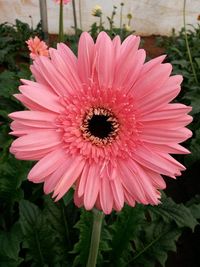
{"points": [[149, 16]]}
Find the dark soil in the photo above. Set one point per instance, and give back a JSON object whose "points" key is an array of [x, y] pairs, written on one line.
{"points": [[149, 44]]}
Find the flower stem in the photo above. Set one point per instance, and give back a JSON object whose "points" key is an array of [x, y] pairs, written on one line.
{"points": [[121, 14], [187, 43], [95, 239], [44, 20], [75, 19], [80, 15], [61, 32], [100, 23]]}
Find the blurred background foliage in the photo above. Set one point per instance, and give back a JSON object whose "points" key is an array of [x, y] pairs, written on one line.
{"points": [[35, 231]]}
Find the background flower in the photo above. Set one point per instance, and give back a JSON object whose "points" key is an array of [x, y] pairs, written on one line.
{"points": [[64, 1], [97, 11], [102, 121], [37, 47]]}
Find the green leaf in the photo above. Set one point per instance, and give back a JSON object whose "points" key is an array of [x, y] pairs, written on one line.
{"points": [[55, 214], [8, 83], [194, 206], [82, 247], [195, 149], [182, 62], [128, 223], [197, 59], [10, 183], [40, 240], [10, 244], [7, 262], [171, 211], [153, 245]]}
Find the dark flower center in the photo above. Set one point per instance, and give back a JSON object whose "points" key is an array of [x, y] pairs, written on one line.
{"points": [[99, 126]]}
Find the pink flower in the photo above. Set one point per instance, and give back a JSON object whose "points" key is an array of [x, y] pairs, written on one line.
{"points": [[37, 47], [102, 122], [64, 1]]}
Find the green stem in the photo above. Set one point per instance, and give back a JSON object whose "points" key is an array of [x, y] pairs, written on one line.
{"points": [[75, 19], [95, 239], [61, 32], [100, 23], [80, 15], [187, 43], [121, 13]]}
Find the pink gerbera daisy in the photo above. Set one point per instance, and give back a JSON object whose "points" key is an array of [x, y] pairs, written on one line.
{"points": [[102, 122], [37, 47]]}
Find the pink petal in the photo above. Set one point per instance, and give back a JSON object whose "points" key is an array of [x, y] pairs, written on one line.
{"points": [[47, 165], [53, 179], [78, 201], [42, 98], [161, 96], [36, 141], [116, 46], [35, 154], [55, 80], [28, 103], [85, 57], [35, 118], [131, 181], [92, 187], [129, 63], [20, 129], [67, 55], [128, 71], [117, 191], [151, 81], [70, 75], [172, 148], [105, 60], [106, 197], [129, 199], [155, 162], [39, 77], [151, 64], [169, 111], [172, 124], [70, 176], [162, 136], [83, 179]]}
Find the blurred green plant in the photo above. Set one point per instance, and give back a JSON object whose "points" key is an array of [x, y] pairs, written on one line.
{"points": [[123, 30], [12, 42]]}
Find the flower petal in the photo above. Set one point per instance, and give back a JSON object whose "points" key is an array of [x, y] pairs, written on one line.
{"points": [[35, 118], [70, 176], [42, 98], [92, 187], [105, 60], [85, 57], [106, 197], [47, 165]]}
